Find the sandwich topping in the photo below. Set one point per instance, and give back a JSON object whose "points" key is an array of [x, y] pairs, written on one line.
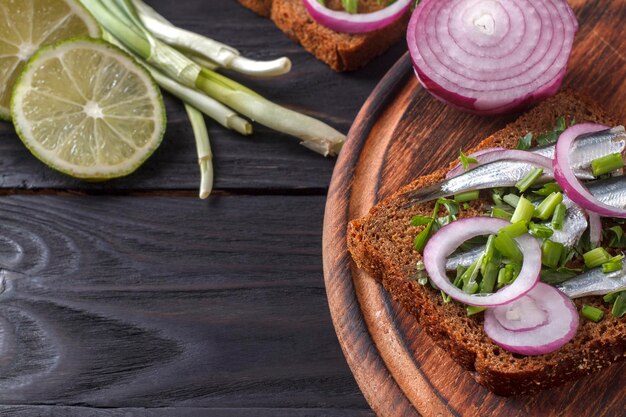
{"points": [[349, 21], [553, 232]]}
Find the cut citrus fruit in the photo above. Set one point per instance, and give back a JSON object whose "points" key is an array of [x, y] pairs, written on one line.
{"points": [[26, 25], [88, 109]]}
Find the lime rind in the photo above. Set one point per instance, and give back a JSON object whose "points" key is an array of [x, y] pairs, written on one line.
{"points": [[24, 131], [93, 29]]}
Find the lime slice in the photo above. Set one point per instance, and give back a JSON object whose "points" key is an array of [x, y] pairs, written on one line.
{"points": [[87, 109], [26, 25]]}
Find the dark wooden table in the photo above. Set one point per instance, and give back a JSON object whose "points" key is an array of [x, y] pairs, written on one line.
{"points": [[135, 298]]}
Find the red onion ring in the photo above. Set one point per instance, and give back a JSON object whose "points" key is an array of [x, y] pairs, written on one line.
{"points": [[499, 154], [521, 315], [449, 238], [564, 174], [491, 56], [345, 22], [558, 329], [595, 229]]}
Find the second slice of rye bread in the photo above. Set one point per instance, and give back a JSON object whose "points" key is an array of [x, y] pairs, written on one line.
{"points": [[382, 244], [341, 51]]}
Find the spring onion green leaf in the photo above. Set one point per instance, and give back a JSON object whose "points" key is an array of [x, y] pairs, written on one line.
{"points": [[596, 257], [466, 160], [558, 218], [547, 189], [540, 231], [467, 196], [609, 267], [607, 164], [524, 210], [619, 305], [516, 229], [501, 214], [471, 310], [350, 6], [551, 253], [525, 142], [511, 199], [592, 313], [546, 208], [420, 220], [505, 244], [532, 177]]}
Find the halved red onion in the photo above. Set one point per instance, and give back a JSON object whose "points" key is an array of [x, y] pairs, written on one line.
{"points": [[443, 243], [341, 21], [491, 56], [564, 174], [499, 154], [595, 228], [519, 333]]}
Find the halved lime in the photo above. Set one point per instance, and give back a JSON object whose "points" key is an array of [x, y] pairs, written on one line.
{"points": [[88, 109], [26, 25]]}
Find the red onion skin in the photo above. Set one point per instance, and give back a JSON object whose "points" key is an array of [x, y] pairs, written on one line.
{"points": [[566, 179], [595, 229], [345, 22], [493, 328]]}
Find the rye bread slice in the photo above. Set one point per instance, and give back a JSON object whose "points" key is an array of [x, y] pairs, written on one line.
{"points": [[341, 51], [381, 243]]}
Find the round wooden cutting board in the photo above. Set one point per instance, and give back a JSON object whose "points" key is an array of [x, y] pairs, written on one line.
{"points": [[400, 134]]}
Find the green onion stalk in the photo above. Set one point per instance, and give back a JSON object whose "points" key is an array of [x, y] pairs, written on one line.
{"points": [[205, 156], [204, 89], [206, 50]]}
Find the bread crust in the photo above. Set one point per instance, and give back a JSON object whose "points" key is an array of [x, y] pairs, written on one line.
{"points": [[341, 51], [374, 242]]}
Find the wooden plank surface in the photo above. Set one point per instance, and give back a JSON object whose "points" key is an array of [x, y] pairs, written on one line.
{"points": [[400, 134], [61, 411], [265, 160], [168, 302]]}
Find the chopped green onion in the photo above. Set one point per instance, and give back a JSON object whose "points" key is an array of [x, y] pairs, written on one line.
{"points": [[466, 160], [516, 229], [540, 231], [546, 208], [609, 267], [558, 218], [446, 297], [350, 6], [422, 238], [501, 214], [470, 285], [592, 313], [467, 196], [547, 189], [596, 257], [505, 244], [524, 211], [551, 253], [606, 164], [560, 125], [619, 306], [508, 274], [610, 297], [450, 205], [490, 276], [525, 142], [471, 310], [511, 200], [532, 177]]}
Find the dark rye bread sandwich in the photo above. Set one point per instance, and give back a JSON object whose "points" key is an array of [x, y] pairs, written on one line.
{"points": [[341, 51], [381, 243]]}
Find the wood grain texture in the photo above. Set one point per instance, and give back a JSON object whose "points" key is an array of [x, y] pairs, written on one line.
{"points": [[60, 411], [402, 133], [265, 160], [168, 302]]}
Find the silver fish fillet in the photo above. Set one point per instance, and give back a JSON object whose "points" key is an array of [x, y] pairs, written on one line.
{"points": [[595, 282], [508, 173], [610, 191]]}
